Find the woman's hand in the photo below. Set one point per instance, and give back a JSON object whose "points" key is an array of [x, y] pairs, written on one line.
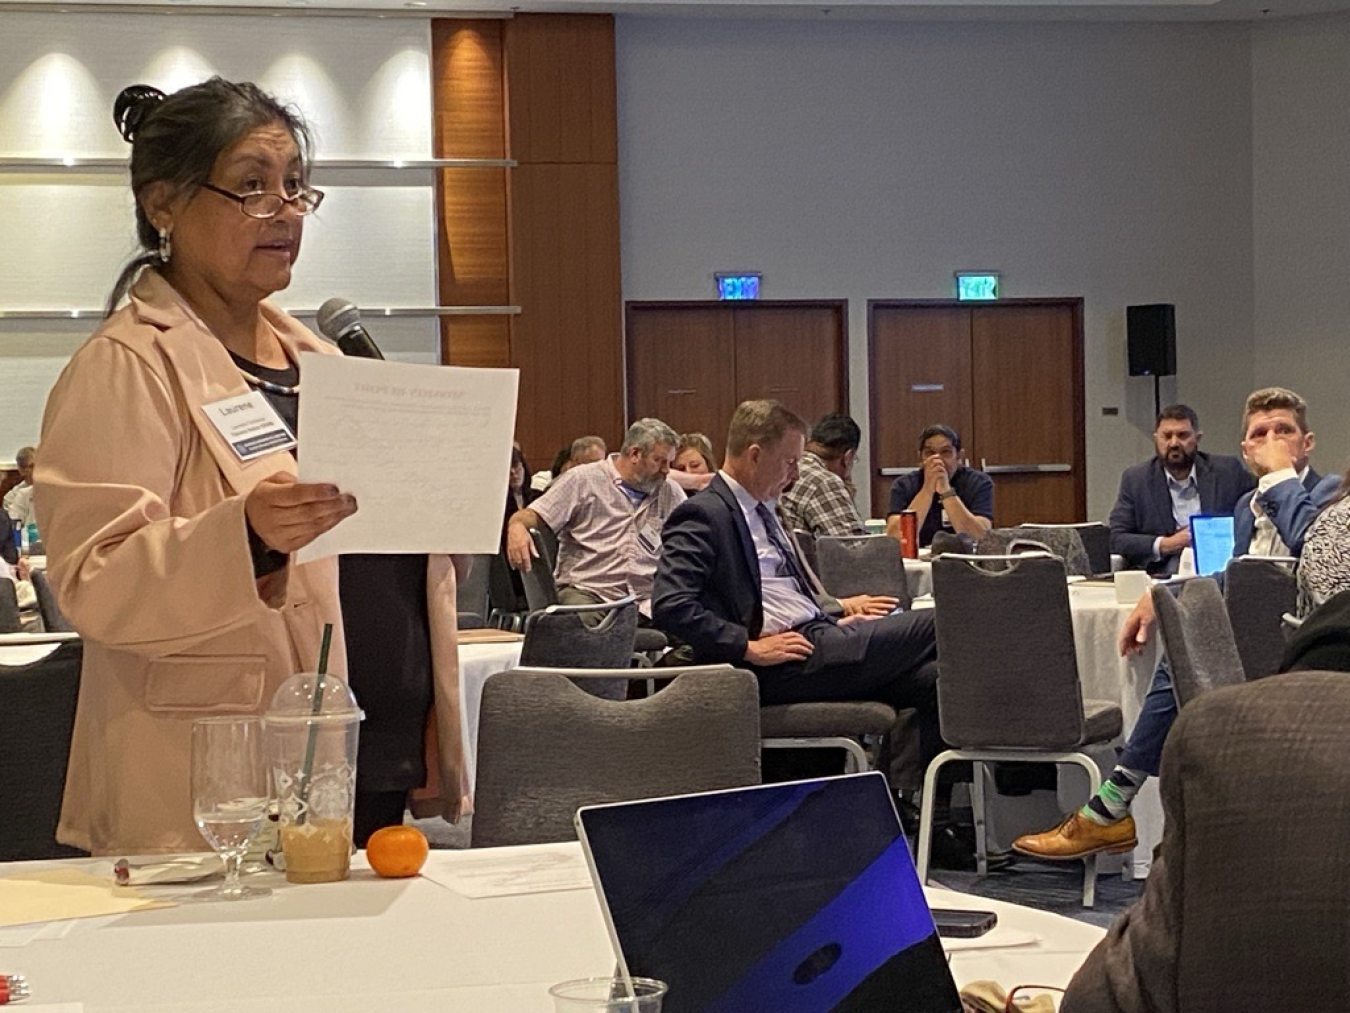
{"points": [[288, 515]]}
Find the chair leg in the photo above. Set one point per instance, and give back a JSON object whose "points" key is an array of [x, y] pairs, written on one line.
{"points": [[855, 758], [925, 841], [977, 804], [1090, 864]]}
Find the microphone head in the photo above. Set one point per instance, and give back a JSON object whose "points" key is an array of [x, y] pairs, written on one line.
{"points": [[336, 317]]}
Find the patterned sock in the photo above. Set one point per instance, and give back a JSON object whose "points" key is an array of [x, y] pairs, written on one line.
{"points": [[1111, 804]]}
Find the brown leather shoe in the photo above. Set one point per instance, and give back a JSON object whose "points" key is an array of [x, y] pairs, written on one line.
{"points": [[1079, 837]]}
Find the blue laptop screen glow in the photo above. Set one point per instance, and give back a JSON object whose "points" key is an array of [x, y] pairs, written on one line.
{"points": [[1213, 540], [794, 898]]}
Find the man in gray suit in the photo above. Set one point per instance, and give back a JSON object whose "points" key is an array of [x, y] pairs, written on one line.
{"points": [[1266, 902], [1150, 521]]}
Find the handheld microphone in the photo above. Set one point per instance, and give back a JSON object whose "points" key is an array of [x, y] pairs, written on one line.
{"points": [[340, 322]]}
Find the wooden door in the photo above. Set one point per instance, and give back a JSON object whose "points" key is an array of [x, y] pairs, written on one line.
{"points": [[794, 355], [682, 368], [1008, 376], [1026, 366], [920, 358], [691, 364]]}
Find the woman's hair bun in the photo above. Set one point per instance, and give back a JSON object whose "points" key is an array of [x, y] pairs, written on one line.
{"points": [[133, 105]]}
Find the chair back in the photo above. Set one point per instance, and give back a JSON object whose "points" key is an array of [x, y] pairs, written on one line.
{"points": [[10, 620], [540, 589], [471, 592], [1198, 637], [53, 619], [37, 717], [862, 564], [1094, 536], [1008, 671], [1063, 542], [1258, 592], [560, 637], [546, 748], [806, 546]]}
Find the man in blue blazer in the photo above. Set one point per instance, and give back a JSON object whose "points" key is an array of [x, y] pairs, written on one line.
{"points": [[1150, 523], [730, 585]]}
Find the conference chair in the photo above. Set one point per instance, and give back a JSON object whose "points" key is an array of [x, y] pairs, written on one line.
{"points": [[10, 619], [53, 620], [546, 748], [584, 636], [1201, 651], [1258, 591], [37, 717], [1008, 686], [540, 590], [1063, 543], [862, 564], [806, 548], [471, 592], [1094, 536]]}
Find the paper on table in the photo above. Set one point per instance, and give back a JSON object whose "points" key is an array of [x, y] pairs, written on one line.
{"points": [[426, 451], [503, 876], [56, 894]]}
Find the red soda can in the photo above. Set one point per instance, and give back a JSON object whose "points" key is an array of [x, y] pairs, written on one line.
{"points": [[909, 534]]}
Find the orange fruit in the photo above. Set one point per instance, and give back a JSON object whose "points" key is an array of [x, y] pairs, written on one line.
{"points": [[397, 852]]}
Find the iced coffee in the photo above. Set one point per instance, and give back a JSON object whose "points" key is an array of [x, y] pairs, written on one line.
{"points": [[317, 852]]}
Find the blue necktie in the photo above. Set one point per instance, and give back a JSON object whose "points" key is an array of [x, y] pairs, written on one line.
{"points": [[780, 543]]}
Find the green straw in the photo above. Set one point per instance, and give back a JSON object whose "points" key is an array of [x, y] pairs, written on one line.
{"points": [[307, 771]]}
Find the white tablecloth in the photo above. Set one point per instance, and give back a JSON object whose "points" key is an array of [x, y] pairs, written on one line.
{"points": [[476, 663], [369, 945]]}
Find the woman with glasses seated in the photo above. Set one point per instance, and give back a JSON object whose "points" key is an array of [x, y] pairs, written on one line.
{"points": [[167, 491]]}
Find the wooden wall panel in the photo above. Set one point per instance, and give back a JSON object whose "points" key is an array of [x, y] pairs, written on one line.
{"points": [[469, 89], [476, 341], [472, 256]]}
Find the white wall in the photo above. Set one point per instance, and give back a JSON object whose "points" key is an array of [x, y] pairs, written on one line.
{"points": [[1301, 148], [362, 83], [865, 161]]}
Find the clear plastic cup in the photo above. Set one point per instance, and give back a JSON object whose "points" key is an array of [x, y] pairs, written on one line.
{"points": [[608, 995], [312, 730]]}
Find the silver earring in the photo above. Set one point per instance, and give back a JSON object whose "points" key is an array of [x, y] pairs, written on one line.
{"points": [[165, 245]]}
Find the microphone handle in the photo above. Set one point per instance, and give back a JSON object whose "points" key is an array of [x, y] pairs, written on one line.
{"points": [[356, 342]]}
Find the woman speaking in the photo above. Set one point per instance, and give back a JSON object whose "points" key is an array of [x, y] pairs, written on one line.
{"points": [[168, 536]]}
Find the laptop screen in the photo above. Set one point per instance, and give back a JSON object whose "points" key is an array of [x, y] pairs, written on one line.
{"points": [[794, 898], [1212, 538]]}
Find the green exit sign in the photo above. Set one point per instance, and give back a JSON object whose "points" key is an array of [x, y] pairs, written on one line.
{"points": [[977, 285]]}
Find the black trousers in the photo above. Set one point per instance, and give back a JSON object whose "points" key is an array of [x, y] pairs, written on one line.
{"points": [[892, 660]]}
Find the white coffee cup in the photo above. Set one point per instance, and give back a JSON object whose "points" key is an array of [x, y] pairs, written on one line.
{"points": [[1186, 565], [1131, 585]]}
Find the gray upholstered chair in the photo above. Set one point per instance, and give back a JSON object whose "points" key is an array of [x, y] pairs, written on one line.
{"points": [[540, 589], [53, 619], [1195, 630], [568, 636], [1094, 536], [700, 733], [1008, 686], [37, 716], [1258, 591], [862, 564], [1063, 543], [848, 725], [471, 592], [10, 619], [806, 548]]}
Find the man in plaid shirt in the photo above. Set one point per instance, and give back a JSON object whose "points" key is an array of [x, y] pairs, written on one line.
{"points": [[821, 500]]}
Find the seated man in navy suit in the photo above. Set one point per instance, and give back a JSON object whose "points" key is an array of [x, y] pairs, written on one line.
{"points": [[730, 586], [1271, 520], [1150, 523]]}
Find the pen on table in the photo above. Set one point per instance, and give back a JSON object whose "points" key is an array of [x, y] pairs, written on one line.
{"points": [[13, 988]]}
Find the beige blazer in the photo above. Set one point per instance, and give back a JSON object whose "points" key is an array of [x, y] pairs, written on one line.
{"points": [[141, 506]]}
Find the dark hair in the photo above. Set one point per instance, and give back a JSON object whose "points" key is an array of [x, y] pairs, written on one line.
{"points": [[940, 430], [177, 138], [1178, 413], [560, 459], [837, 434], [761, 422]]}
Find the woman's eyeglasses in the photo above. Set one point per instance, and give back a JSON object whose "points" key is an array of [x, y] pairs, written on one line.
{"points": [[269, 205]]}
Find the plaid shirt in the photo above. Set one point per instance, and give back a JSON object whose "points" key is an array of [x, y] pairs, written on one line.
{"points": [[819, 502]]}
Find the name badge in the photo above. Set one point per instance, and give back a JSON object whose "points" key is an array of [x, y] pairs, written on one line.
{"points": [[650, 539], [250, 425]]}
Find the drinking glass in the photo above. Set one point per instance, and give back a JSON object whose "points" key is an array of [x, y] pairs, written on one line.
{"points": [[608, 995], [229, 794]]}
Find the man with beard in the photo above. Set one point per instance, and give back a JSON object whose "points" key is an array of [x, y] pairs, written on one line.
{"points": [[608, 517], [1150, 523]]}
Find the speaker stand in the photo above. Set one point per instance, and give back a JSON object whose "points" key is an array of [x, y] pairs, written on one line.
{"points": [[1157, 395]]}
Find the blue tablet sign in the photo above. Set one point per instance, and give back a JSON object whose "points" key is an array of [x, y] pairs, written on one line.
{"points": [[737, 286], [978, 286]]}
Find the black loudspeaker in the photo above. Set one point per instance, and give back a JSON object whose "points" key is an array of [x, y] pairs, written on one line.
{"points": [[1153, 339]]}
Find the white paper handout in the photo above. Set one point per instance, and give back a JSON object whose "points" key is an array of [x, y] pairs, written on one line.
{"points": [[494, 873], [426, 451]]}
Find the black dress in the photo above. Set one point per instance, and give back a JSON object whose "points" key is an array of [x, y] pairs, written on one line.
{"points": [[388, 638]]}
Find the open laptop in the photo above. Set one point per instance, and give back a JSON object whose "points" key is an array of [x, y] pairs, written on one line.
{"points": [[791, 898], [1213, 540]]}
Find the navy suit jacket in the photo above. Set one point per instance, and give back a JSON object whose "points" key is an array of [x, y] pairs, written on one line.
{"points": [[1291, 505], [707, 590], [1143, 510]]}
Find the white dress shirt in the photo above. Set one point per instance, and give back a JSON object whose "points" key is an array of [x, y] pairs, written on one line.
{"points": [[785, 606]]}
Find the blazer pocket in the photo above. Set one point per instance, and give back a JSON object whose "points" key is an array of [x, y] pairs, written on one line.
{"points": [[223, 684]]}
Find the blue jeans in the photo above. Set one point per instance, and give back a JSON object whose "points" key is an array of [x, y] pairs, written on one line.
{"points": [[1143, 749]]}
